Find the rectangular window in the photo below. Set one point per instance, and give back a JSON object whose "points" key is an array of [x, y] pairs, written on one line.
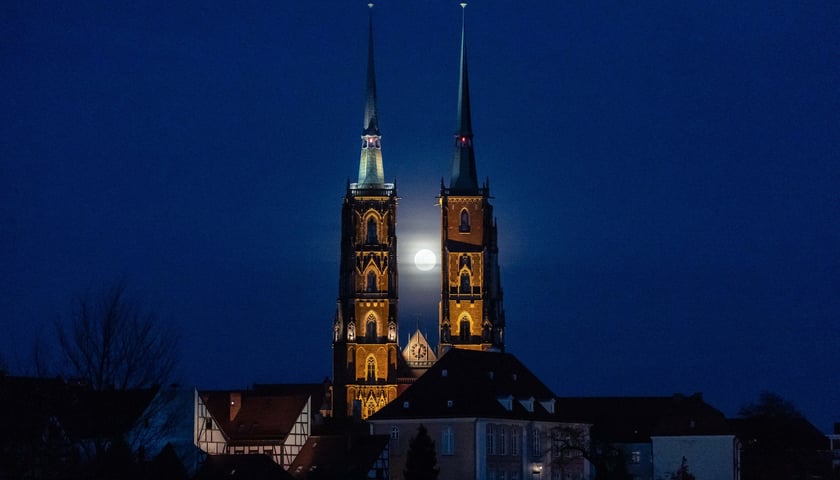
{"points": [[502, 441], [208, 423], [636, 457], [514, 441], [536, 442], [556, 443], [447, 443], [491, 440]]}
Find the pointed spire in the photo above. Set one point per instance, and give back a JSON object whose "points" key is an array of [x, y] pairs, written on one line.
{"points": [[464, 177], [370, 126], [371, 172]]}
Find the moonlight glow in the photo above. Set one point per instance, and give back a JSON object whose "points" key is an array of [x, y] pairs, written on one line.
{"points": [[425, 260]]}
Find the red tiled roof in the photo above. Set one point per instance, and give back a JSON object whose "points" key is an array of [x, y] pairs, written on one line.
{"points": [[262, 415]]}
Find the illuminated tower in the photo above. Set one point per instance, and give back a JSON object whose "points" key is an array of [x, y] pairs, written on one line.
{"points": [[365, 326], [471, 311]]}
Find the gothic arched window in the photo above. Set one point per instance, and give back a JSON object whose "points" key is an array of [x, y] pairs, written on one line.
{"points": [[371, 369], [465, 282], [371, 231], [465, 221], [465, 329], [370, 328], [371, 282]]}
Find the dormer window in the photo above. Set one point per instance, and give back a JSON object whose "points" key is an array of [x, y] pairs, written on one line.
{"points": [[527, 403], [548, 405]]}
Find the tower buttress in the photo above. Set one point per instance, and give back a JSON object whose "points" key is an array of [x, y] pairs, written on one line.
{"points": [[471, 312], [365, 327]]}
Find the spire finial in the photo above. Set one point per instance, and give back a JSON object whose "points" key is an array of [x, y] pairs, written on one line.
{"points": [[463, 161]]}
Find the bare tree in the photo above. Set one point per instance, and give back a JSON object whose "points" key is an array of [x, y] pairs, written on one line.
{"points": [[112, 342], [570, 443]]}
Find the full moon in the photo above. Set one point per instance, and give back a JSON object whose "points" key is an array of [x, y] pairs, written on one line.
{"points": [[425, 260]]}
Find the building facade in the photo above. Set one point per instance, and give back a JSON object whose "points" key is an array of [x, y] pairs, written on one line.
{"points": [[365, 326], [490, 418]]}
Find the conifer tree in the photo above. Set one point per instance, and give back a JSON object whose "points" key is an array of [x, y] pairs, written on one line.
{"points": [[421, 460]]}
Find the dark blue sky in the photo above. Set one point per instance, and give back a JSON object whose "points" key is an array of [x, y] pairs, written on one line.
{"points": [[665, 179]]}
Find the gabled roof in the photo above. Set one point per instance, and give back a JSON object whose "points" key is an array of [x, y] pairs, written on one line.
{"points": [[338, 456], [417, 351], [466, 384], [245, 467], [636, 419], [262, 415]]}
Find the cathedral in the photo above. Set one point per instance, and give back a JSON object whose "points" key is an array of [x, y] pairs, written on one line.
{"points": [[369, 367]]}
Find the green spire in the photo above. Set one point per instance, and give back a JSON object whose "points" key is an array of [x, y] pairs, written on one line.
{"points": [[371, 172]]}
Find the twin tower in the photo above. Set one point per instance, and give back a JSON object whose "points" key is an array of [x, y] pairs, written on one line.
{"points": [[369, 369]]}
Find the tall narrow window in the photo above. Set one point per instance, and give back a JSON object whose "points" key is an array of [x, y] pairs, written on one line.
{"points": [[514, 441], [465, 221], [502, 448], [371, 282], [465, 282], [371, 369], [465, 329], [447, 441], [536, 443], [370, 328], [371, 231]]}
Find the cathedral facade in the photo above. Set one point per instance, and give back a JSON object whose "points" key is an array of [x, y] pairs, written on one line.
{"points": [[369, 369]]}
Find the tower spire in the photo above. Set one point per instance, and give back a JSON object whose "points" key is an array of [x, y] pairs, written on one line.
{"points": [[464, 178], [371, 173]]}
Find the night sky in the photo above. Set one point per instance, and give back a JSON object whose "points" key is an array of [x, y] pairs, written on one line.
{"points": [[666, 180]]}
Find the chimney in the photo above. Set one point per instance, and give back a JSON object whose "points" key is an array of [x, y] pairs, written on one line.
{"points": [[235, 404]]}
